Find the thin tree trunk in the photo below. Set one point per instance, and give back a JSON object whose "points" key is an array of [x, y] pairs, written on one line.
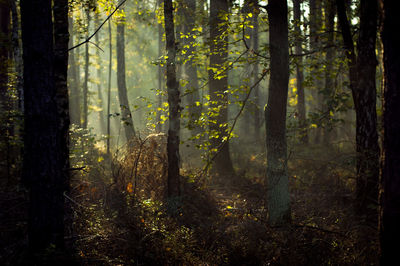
{"points": [[126, 114], [74, 84], [86, 81], [218, 56], [102, 121], [390, 174], [275, 115], [329, 58], [301, 103], [173, 101], [43, 168], [109, 90]]}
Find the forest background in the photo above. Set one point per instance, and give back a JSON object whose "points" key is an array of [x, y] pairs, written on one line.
{"points": [[199, 132]]}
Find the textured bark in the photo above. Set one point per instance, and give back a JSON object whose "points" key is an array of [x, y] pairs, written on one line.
{"points": [[126, 114], [43, 166], [173, 101], [61, 40], [390, 174], [275, 115], [218, 56], [86, 81], [362, 69], [301, 103]]}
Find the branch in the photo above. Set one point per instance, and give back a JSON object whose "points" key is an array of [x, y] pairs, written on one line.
{"points": [[97, 30], [222, 145]]}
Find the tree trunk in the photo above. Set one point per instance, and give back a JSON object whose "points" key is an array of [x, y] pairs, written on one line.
{"points": [[315, 73], [43, 168], [329, 58], [109, 90], [390, 174], [218, 57], [301, 103], [173, 101], [275, 115], [126, 115], [86, 81], [74, 84], [362, 69], [102, 118]]}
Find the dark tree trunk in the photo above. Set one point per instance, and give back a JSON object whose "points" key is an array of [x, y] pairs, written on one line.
{"points": [[218, 57], [126, 114], [390, 174], [86, 81], [301, 103], [173, 101], [43, 169], [5, 99], [61, 40], [275, 115], [362, 69]]}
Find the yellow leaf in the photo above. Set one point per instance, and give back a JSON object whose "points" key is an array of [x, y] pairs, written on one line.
{"points": [[129, 187]]}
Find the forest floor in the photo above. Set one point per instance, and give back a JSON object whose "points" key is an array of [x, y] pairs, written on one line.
{"points": [[224, 223]]}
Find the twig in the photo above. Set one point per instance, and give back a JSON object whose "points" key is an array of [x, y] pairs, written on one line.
{"points": [[97, 30]]}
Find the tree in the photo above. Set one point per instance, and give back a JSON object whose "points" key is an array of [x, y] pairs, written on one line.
{"points": [[109, 89], [275, 115], [44, 167], [86, 81], [362, 69], [218, 85], [329, 59], [173, 102], [390, 167], [74, 82], [301, 105], [126, 115]]}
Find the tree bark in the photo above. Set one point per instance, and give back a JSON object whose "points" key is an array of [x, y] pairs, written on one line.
{"points": [[173, 101], [301, 103], [160, 75], [390, 173], [218, 57], [43, 168], [275, 115], [362, 69], [126, 115]]}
